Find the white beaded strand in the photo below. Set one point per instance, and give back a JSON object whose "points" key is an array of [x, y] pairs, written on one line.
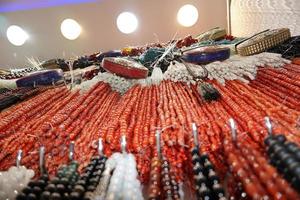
{"points": [[234, 68], [13, 181]]}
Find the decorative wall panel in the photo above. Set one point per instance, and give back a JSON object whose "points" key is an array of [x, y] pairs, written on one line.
{"points": [[251, 16]]}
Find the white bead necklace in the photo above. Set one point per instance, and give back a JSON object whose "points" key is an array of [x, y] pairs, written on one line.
{"points": [[234, 68], [13, 181]]}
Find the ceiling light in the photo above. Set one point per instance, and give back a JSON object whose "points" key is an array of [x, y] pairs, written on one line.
{"points": [[16, 35], [187, 15], [127, 22], [70, 29]]}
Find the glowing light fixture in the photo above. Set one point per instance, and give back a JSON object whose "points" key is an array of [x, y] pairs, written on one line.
{"points": [[70, 29], [16, 35], [127, 22], [187, 15]]}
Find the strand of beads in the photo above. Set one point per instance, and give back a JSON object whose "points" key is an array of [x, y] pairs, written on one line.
{"points": [[170, 187], [34, 188], [202, 187], [166, 180], [285, 156], [115, 185], [213, 179], [60, 187], [254, 174], [13, 181], [124, 183], [207, 182], [248, 185], [89, 180], [131, 185], [154, 189], [100, 191], [273, 183], [175, 186]]}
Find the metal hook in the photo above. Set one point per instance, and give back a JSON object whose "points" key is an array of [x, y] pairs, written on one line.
{"points": [[71, 151], [42, 159], [233, 129], [268, 125], [19, 157], [158, 144], [65, 81], [123, 144], [195, 134], [81, 78], [100, 147]]}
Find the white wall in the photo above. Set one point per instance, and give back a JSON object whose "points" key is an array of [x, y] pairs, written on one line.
{"points": [[99, 27], [249, 16]]}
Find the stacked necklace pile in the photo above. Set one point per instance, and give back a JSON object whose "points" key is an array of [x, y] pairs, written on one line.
{"points": [[187, 131]]}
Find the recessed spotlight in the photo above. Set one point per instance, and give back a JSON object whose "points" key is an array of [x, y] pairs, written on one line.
{"points": [[70, 29], [127, 22], [187, 15], [16, 35]]}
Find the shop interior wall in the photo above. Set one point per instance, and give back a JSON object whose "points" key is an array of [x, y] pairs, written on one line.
{"points": [[157, 22], [252, 16]]}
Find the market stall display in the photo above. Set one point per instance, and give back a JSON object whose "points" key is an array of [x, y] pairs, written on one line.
{"points": [[158, 123]]}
